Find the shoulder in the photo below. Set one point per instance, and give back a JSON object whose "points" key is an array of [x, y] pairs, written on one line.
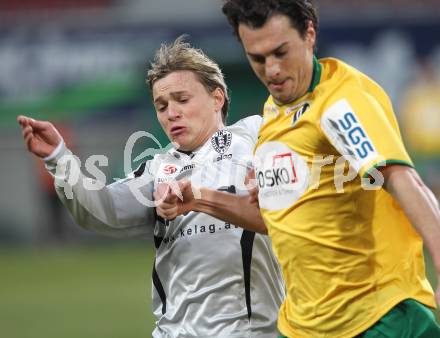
{"points": [[337, 67], [341, 76], [343, 82], [250, 124], [247, 127]]}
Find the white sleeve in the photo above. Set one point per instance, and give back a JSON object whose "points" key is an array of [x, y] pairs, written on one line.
{"points": [[116, 210], [252, 124]]}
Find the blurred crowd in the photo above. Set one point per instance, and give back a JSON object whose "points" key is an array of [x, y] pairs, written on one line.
{"points": [[75, 73]]}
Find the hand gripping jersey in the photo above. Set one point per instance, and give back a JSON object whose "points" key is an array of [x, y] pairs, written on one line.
{"points": [[210, 278], [347, 252]]}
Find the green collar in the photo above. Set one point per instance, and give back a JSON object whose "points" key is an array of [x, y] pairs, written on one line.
{"points": [[316, 77]]}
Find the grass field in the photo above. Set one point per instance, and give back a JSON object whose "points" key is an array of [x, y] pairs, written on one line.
{"points": [[76, 292], [93, 291]]}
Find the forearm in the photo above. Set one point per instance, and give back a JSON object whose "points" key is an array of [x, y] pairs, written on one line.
{"points": [[110, 210], [427, 221], [421, 208], [231, 208]]}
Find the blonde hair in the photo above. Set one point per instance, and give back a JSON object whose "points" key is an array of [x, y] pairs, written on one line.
{"points": [[179, 55]]}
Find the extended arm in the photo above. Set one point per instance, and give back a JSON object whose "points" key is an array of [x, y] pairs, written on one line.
{"points": [[112, 210], [419, 205]]}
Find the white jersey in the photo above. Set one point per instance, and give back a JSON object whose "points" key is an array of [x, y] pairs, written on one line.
{"points": [[210, 278]]}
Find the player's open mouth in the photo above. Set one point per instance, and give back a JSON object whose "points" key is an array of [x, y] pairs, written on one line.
{"points": [[176, 131]]}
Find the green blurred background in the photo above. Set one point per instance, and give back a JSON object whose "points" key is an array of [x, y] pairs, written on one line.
{"points": [[82, 65]]}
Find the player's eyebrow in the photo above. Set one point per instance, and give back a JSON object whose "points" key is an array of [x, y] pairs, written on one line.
{"points": [[172, 94], [276, 49]]}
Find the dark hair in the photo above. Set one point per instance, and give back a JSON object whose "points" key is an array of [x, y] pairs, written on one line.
{"points": [[255, 13], [179, 55]]}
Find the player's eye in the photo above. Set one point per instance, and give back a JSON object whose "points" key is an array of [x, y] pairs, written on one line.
{"points": [[161, 108], [183, 99], [280, 54], [258, 59]]}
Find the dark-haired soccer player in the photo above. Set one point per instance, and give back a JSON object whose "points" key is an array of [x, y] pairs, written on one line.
{"points": [[352, 257]]}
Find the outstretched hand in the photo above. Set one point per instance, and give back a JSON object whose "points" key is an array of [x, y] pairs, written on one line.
{"points": [[41, 137], [173, 199]]}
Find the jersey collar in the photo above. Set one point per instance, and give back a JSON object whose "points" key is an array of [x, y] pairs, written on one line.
{"points": [[316, 77]]}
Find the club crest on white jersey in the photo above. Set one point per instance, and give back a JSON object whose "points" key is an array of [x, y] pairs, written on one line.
{"points": [[221, 140]]}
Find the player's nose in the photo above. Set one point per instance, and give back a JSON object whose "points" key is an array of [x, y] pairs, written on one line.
{"points": [[272, 68], [174, 111]]}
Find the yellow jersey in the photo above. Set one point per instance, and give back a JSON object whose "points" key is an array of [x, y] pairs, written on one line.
{"points": [[347, 251]]}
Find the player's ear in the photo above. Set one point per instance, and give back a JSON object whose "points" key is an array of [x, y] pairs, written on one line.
{"points": [[310, 35], [219, 99]]}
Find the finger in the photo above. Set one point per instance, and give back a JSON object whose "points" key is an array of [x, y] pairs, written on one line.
{"points": [[165, 205], [28, 140], [250, 181], [164, 202], [162, 191], [169, 214], [22, 120], [26, 131], [252, 199], [251, 184], [39, 125], [253, 195], [170, 199], [251, 173], [184, 185], [253, 192], [161, 213], [176, 189], [156, 196]]}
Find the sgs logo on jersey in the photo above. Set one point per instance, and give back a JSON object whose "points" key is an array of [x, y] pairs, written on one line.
{"points": [[356, 135], [345, 131], [282, 176]]}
